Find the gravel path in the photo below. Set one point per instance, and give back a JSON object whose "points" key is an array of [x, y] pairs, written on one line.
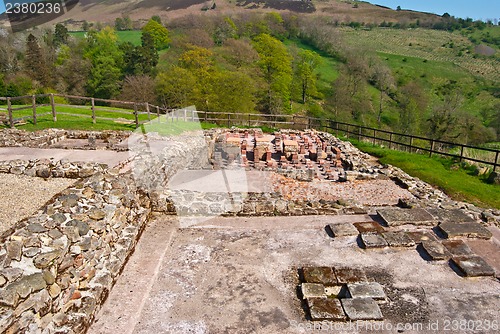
{"points": [[21, 196]]}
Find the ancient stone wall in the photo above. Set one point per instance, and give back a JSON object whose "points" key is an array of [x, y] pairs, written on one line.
{"points": [[57, 267], [48, 168]]}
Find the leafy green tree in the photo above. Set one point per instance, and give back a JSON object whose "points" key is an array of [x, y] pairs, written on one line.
{"points": [[119, 26], [176, 88], [276, 65], [60, 34], [307, 62], [107, 59], [156, 18], [159, 34], [148, 54], [231, 92]]}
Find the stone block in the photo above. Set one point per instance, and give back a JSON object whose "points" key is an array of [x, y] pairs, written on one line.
{"points": [[325, 309], [435, 250], [415, 216], [350, 275], [457, 248], [373, 240], [342, 230], [453, 215], [473, 266], [369, 227], [366, 290], [361, 309], [419, 236], [321, 275], [398, 239], [469, 230], [313, 290]]}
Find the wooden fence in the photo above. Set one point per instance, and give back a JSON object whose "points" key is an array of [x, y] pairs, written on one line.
{"points": [[393, 140]]}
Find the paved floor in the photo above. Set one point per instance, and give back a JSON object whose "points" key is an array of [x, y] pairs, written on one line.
{"points": [[238, 275], [111, 158]]}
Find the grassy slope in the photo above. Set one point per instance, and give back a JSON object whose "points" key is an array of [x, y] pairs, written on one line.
{"points": [[132, 36], [457, 184]]}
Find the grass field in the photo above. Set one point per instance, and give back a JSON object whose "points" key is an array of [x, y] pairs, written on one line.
{"points": [[436, 45], [458, 184], [132, 36]]}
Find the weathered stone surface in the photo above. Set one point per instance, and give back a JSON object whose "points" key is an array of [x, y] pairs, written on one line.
{"points": [[373, 240], [83, 227], [313, 290], [397, 217], [419, 236], [325, 309], [435, 250], [366, 290], [473, 266], [54, 290], [457, 248], [6, 319], [36, 228], [14, 250], [452, 216], [361, 309], [344, 229], [469, 230], [333, 291], [321, 275], [39, 302], [45, 259], [350, 275], [369, 227], [398, 239], [3, 280]]}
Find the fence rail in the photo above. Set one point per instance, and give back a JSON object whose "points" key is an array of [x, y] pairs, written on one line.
{"points": [[393, 140]]}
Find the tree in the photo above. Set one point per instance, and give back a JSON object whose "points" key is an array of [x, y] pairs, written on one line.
{"points": [[119, 24], [398, 8], [384, 81], [276, 65], [412, 102], [159, 34], [140, 88], [231, 92], [156, 18], [176, 88], [60, 34], [35, 63], [307, 62], [148, 55], [106, 58]]}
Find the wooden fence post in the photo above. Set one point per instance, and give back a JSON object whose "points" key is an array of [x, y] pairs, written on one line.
{"points": [[228, 120], [9, 110], [432, 148], [136, 115], [347, 131], [461, 152], [192, 115], [147, 110], [33, 104], [185, 115], [158, 113], [374, 136], [359, 133], [93, 109], [390, 140], [53, 105], [496, 162], [411, 143]]}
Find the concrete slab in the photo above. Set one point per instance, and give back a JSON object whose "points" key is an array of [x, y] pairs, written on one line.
{"points": [[398, 239], [325, 309], [397, 217], [369, 227], [473, 266], [436, 250], [350, 275], [343, 230], [453, 216], [469, 230], [366, 290], [111, 158], [361, 309], [457, 248], [312, 290], [373, 240], [321, 275]]}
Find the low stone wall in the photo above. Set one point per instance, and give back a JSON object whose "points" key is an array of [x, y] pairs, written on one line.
{"points": [[46, 138], [48, 168], [57, 267]]}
